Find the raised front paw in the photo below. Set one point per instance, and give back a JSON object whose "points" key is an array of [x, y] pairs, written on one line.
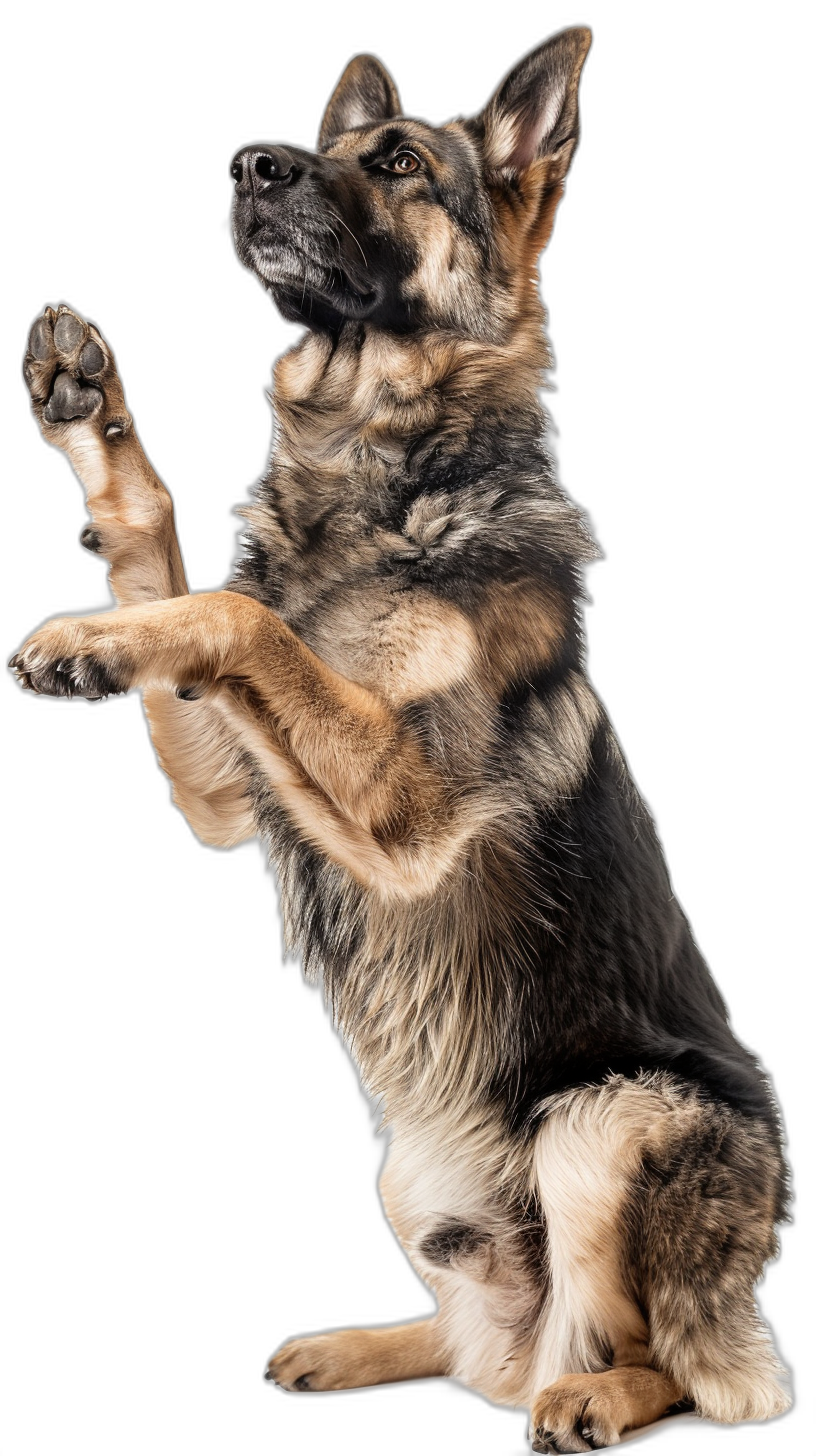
{"points": [[71, 377], [72, 657]]}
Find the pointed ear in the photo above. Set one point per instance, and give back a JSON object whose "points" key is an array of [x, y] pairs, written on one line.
{"points": [[534, 113], [364, 95]]}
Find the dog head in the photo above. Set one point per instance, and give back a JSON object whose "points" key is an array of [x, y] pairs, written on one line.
{"points": [[409, 226]]}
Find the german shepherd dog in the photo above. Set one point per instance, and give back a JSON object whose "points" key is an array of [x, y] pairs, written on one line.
{"points": [[585, 1165]]}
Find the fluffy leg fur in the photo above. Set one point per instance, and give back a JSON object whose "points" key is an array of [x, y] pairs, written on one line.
{"points": [[713, 1188], [660, 1210]]}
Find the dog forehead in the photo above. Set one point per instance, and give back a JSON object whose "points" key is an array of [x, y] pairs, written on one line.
{"points": [[449, 146]]}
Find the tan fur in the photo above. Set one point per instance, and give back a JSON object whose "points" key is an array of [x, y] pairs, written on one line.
{"points": [[403, 648], [351, 412], [345, 1359], [357, 787], [521, 630], [454, 1160], [586, 1158], [126, 498], [202, 759], [604, 1405], [361, 721], [447, 270]]}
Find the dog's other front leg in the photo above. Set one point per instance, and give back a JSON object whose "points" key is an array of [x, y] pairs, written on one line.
{"points": [[345, 1359], [78, 399], [349, 771], [79, 403]]}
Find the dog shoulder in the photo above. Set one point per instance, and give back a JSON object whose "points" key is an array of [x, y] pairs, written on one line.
{"points": [[477, 587]]}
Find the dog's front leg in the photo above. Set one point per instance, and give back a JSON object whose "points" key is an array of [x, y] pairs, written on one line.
{"points": [[349, 1359], [79, 403], [338, 757]]}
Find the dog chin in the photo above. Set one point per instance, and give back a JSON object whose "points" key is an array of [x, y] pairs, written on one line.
{"points": [[303, 289], [316, 310], [299, 289]]}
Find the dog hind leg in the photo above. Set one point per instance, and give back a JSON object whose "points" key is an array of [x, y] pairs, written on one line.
{"points": [[713, 1189], [660, 1210], [586, 1157]]}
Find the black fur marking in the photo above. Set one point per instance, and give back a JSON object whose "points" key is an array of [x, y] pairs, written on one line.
{"points": [[383, 145], [518, 695], [700, 1226], [91, 539], [551, 947], [617, 983], [452, 1241]]}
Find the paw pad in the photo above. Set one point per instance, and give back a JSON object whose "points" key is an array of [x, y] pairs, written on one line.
{"points": [[91, 360], [41, 339], [70, 374], [69, 331], [70, 400]]}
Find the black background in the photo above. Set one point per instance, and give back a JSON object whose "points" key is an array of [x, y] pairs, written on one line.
{"points": [[193, 1164]]}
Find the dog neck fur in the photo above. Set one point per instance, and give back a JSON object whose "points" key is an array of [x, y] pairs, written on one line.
{"points": [[353, 406]]}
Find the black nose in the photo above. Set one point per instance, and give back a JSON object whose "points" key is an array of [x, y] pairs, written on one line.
{"points": [[263, 165]]}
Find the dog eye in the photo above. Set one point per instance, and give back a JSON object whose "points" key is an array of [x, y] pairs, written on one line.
{"points": [[402, 163]]}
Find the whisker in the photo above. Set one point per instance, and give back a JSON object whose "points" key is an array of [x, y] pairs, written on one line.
{"points": [[339, 219]]}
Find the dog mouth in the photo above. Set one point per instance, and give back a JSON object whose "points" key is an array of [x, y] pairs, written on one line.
{"points": [[282, 261], [304, 265], [291, 231]]}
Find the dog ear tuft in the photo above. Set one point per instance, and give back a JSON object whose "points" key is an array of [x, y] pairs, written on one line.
{"points": [[364, 95], [534, 113]]}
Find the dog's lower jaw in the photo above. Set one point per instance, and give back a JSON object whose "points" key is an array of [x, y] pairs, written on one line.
{"points": [[311, 307], [306, 288]]}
